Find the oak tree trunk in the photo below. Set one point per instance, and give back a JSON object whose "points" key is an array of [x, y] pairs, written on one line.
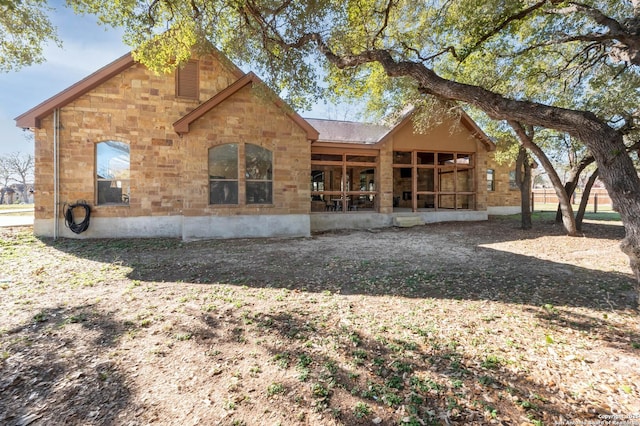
{"points": [[572, 181], [526, 139], [584, 201], [523, 180]]}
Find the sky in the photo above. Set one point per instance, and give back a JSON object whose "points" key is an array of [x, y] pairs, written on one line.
{"points": [[86, 48]]}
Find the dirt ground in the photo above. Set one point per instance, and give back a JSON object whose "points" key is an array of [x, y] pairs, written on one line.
{"points": [[456, 323]]}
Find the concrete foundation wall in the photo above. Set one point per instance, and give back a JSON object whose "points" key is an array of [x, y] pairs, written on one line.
{"points": [[187, 228], [454, 216], [327, 222], [503, 210], [331, 221], [203, 227], [116, 227]]}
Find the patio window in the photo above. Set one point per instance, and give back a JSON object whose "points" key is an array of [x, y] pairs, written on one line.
{"points": [[227, 179], [112, 172], [223, 174], [433, 180], [259, 174], [344, 181], [491, 182]]}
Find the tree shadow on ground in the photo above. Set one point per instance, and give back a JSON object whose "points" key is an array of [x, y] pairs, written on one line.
{"points": [[453, 261], [420, 379], [414, 361], [52, 377]]}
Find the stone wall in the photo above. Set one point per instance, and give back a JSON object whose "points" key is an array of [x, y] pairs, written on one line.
{"points": [[169, 174], [503, 194]]}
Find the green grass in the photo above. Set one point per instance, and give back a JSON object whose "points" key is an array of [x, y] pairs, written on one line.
{"points": [[603, 210], [548, 213]]}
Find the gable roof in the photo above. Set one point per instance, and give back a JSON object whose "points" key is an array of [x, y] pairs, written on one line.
{"points": [[334, 131], [465, 120], [182, 125], [348, 131], [32, 118]]}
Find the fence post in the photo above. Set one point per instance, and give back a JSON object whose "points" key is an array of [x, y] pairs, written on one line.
{"points": [[595, 203], [533, 198]]}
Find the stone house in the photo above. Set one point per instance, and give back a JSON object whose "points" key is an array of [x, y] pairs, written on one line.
{"points": [[210, 152]]}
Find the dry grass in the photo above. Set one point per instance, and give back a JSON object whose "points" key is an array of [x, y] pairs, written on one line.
{"points": [[473, 323], [9, 207]]}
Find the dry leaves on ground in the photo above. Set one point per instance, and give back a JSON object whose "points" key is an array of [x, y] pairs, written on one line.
{"points": [[459, 323]]}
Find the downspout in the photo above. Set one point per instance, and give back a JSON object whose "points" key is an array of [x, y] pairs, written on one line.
{"points": [[56, 176]]}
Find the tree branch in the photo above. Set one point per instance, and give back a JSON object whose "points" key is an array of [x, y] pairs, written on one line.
{"points": [[386, 13], [627, 48], [598, 16], [525, 134], [518, 16]]}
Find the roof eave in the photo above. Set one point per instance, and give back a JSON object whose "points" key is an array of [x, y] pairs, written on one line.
{"points": [[32, 118], [182, 125], [477, 131]]}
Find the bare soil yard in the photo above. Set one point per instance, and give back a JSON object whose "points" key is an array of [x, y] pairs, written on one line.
{"points": [[457, 323]]}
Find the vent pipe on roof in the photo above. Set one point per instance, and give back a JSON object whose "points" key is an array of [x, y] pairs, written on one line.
{"points": [[56, 174]]}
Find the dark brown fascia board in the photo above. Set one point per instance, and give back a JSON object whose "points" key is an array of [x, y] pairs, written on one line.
{"points": [[395, 128], [346, 145], [31, 119], [475, 130], [182, 125]]}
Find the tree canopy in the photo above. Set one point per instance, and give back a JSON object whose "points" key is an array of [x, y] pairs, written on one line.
{"points": [[544, 51], [24, 29]]}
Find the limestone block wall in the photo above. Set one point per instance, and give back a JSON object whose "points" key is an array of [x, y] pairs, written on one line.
{"points": [[168, 172], [502, 195], [482, 198], [249, 118], [385, 202]]}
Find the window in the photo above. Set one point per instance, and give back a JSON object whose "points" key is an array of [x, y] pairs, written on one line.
{"points": [[223, 174], [112, 172], [491, 182], [226, 179], [259, 174], [512, 180], [343, 181], [187, 84], [433, 180]]}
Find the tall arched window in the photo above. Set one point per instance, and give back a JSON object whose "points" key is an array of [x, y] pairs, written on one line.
{"points": [[259, 174], [223, 174], [112, 172]]}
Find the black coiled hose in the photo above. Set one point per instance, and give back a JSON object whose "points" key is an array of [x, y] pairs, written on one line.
{"points": [[77, 228]]}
